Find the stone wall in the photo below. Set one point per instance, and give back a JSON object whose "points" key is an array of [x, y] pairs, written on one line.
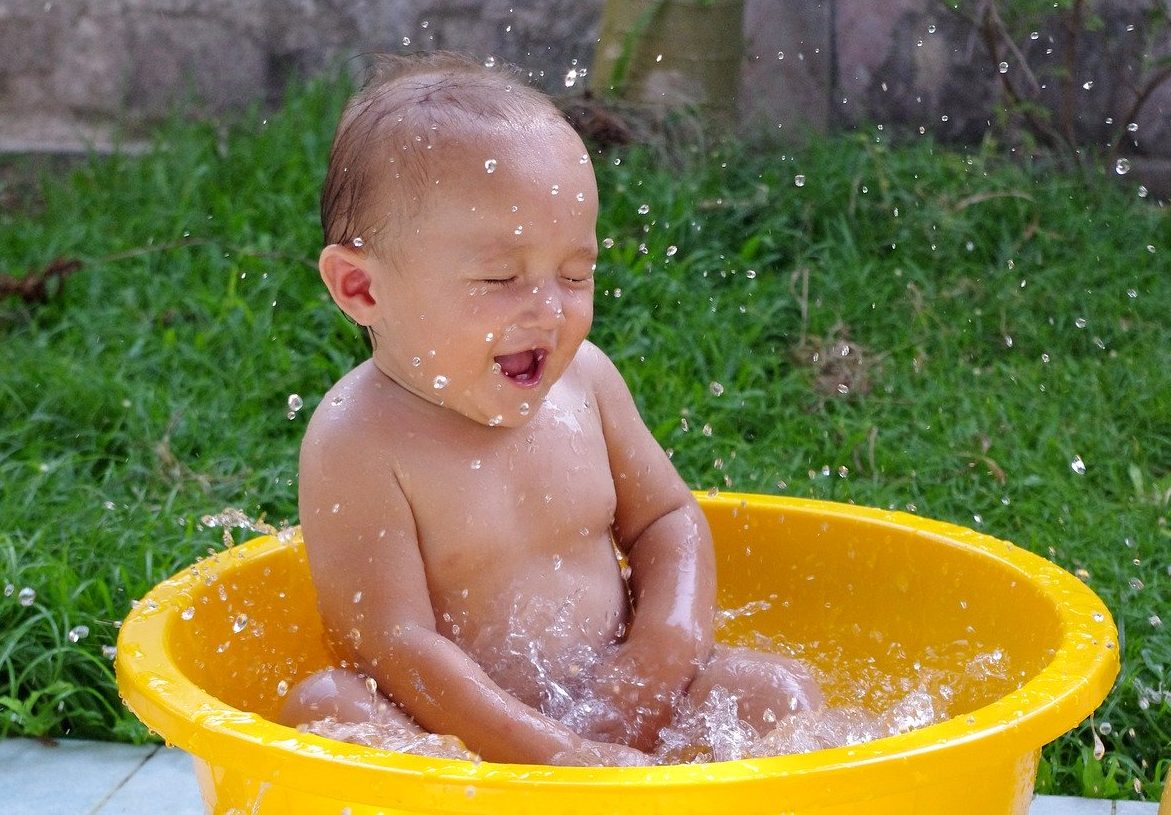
{"points": [[71, 71]]}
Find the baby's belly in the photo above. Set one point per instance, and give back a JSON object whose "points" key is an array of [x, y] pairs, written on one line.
{"points": [[540, 635]]}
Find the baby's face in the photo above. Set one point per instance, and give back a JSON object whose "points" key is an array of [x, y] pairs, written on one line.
{"points": [[487, 292]]}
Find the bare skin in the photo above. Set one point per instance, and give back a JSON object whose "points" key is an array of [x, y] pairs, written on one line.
{"points": [[463, 492]]}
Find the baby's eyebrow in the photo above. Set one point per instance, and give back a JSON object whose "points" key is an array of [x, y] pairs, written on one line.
{"points": [[583, 251]]}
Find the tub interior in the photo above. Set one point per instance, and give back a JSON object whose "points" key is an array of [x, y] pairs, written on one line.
{"points": [[855, 598]]}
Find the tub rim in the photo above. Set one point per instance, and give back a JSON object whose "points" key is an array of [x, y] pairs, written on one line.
{"points": [[1076, 679]]}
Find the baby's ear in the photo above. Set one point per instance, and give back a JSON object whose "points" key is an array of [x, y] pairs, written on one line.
{"points": [[345, 273]]}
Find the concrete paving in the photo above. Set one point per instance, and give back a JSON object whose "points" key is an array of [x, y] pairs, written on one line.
{"points": [[71, 777]]}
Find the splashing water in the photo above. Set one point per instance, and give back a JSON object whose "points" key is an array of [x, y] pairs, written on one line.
{"points": [[232, 518], [920, 690], [388, 736]]}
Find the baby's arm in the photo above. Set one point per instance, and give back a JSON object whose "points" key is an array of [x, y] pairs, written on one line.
{"points": [[665, 536], [372, 592]]}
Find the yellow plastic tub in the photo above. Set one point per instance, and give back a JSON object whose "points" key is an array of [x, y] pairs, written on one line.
{"points": [[202, 658]]}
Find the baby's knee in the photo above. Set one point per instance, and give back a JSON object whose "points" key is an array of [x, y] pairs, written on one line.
{"points": [[342, 695], [767, 686]]}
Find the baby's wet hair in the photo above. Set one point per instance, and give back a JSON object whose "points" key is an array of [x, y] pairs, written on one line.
{"points": [[404, 108]]}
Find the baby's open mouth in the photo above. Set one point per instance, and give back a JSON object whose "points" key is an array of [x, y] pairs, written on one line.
{"points": [[524, 367]]}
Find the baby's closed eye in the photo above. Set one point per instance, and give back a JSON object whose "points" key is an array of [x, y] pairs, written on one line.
{"points": [[502, 280]]}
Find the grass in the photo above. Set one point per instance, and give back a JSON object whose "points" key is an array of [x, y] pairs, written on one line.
{"points": [[1002, 324]]}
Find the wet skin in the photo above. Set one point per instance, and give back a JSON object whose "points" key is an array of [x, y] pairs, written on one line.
{"points": [[463, 492]]}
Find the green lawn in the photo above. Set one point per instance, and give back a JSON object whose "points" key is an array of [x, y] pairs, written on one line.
{"points": [[1009, 369]]}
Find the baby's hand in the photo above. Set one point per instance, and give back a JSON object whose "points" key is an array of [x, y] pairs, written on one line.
{"points": [[624, 705], [601, 754]]}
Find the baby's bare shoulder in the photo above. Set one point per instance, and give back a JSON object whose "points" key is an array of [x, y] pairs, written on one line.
{"points": [[351, 424], [593, 368]]}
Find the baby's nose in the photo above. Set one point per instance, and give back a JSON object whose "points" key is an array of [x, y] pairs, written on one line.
{"points": [[544, 306]]}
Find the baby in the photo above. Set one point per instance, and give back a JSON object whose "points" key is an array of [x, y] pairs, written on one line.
{"points": [[500, 547]]}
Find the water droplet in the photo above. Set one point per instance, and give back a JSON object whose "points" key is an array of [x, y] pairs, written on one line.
{"points": [[707, 429], [716, 388], [1080, 322], [1099, 748], [1136, 584], [78, 633], [1098, 617], [295, 403], [556, 189], [1087, 85], [580, 197], [1132, 127], [476, 464], [187, 613], [523, 409], [1143, 192], [1034, 35], [1122, 166], [644, 209], [109, 651], [671, 250], [490, 62], [282, 688], [571, 77], [1003, 67], [608, 243], [1077, 465], [1155, 620], [357, 597], [495, 420], [357, 243], [799, 180], [750, 274], [439, 383], [239, 623], [27, 596], [490, 165]]}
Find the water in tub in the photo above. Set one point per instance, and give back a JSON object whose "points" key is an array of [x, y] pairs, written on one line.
{"points": [[891, 702], [883, 702], [712, 731]]}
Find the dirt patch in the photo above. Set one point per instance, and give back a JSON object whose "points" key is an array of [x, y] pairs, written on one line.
{"points": [[842, 368]]}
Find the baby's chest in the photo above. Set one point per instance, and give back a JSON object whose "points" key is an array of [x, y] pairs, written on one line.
{"points": [[546, 489]]}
